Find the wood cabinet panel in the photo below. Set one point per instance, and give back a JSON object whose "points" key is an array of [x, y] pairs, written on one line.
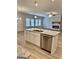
{"points": [[33, 37]]}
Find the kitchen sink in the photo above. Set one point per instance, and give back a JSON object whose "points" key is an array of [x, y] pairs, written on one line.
{"points": [[38, 30]]}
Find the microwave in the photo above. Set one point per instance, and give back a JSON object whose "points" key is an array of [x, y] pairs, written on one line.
{"points": [[56, 26]]}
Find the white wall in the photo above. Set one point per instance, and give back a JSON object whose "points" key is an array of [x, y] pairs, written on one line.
{"points": [[47, 22]]}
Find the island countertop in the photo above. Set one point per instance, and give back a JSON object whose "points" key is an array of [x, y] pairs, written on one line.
{"points": [[45, 31]]}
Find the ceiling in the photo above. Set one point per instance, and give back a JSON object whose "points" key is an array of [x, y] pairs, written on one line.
{"points": [[44, 6]]}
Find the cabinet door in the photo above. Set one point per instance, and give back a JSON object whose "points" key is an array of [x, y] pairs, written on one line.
{"points": [[31, 37], [37, 39]]}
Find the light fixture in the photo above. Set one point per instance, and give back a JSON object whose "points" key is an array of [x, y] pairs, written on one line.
{"points": [[19, 18], [36, 3], [35, 16], [54, 12], [50, 15], [53, 0]]}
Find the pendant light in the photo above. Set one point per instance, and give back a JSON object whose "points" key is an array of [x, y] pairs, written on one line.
{"points": [[53, 0], [36, 3]]}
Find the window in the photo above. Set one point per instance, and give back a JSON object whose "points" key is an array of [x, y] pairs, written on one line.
{"points": [[40, 23], [36, 22], [28, 22], [31, 22]]}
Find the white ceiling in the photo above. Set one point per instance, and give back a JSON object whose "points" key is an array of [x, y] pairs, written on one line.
{"points": [[43, 6]]}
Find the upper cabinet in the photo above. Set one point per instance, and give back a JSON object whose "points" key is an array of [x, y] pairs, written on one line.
{"points": [[56, 18]]}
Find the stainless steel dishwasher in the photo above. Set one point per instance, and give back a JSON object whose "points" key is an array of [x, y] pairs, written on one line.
{"points": [[46, 42]]}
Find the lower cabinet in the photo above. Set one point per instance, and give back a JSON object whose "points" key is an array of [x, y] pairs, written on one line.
{"points": [[33, 37], [37, 39]]}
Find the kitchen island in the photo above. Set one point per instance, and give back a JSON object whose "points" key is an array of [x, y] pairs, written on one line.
{"points": [[33, 35]]}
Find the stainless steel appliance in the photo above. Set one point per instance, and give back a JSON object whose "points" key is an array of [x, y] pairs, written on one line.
{"points": [[46, 42], [56, 25]]}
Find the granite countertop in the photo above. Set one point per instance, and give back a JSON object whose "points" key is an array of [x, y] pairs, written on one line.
{"points": [[45, 31]]}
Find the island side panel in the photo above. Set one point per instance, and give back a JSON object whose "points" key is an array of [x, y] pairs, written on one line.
{"points": [[54, 44]]}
